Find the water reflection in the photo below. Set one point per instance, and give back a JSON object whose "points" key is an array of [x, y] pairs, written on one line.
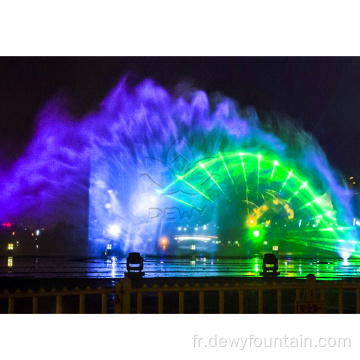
{"points": [[115, 267]]}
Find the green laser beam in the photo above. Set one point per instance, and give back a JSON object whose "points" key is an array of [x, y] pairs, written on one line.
{"points": [[228, 172], [182, 201], [246, 184], [193, 187], [273, 170], [214, 181], [258, 176], [287, 178]]}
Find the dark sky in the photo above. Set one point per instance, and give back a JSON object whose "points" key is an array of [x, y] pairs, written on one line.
{"points": [[321, 93]]}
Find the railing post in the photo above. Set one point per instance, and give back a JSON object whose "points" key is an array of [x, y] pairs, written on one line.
{"points": [[297, 294], [181, 302], [122, 296], [341, 301], [260, 301], [241, 301], [104, 303], [310, 287], [201, 302], [139, 302], [126, 289], [221, 302], [58, 304], [358, 301], [35, 305], [82, 303], [11, 305], [118, 298], [322, 294], [279, 301], [160, 302]]}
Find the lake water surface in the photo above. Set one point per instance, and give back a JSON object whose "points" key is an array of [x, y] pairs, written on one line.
{"points": [[56, 267]]}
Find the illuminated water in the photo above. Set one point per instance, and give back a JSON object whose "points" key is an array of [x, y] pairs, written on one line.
{"points": [[47, 267], [150, 164]]}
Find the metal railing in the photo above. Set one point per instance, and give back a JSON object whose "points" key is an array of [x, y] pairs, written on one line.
{"points": [[309, 291], [58, 295], [128, 296]]}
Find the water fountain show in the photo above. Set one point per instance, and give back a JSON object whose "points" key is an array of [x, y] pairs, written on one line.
{"points": [[178, 174]]}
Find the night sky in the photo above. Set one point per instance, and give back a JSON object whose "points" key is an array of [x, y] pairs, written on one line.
{"points": [[320, 93]]}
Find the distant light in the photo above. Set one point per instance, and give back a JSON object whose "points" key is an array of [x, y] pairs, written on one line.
{"points": [[275, 248], [109, 247], [204, 227], [8, 224], [108, 206], [190, 237], [196, 228], [192, 247], [164, 241], [179, 228], [345, 256], [354, 182], [351, 177], [10, 246], [13, 233], [256, 233], [114, 230], [37, 232]]}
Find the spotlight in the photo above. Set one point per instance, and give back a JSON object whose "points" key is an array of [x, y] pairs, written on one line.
{"points": [[114, 230]]}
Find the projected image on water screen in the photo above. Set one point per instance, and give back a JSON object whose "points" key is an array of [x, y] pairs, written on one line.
{"points": [[243, 202]]}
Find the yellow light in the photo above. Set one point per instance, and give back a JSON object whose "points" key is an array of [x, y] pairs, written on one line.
{"points": [[251, 222], [164, 241], [276, 201], [13, 233], [351, 177], [354, 183], [10, 246]]}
